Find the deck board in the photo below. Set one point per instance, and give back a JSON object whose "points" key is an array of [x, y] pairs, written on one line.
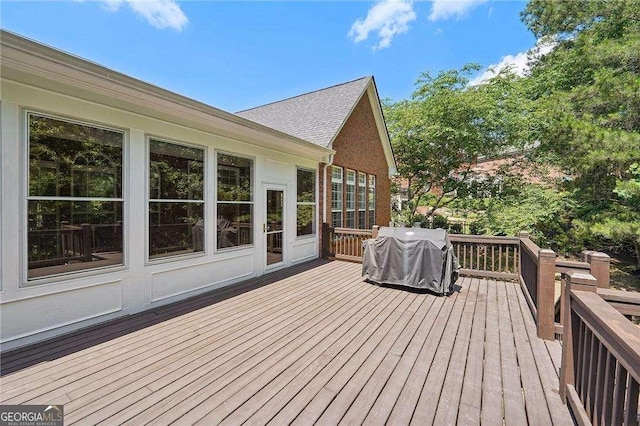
{"points": [[313, 344]]}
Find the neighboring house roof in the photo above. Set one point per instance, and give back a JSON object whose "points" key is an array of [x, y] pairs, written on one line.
{"points": [[315, 116]]}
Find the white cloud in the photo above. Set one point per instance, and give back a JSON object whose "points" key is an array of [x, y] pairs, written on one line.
{"points": [[388, 18], [446, 9], [519, 63], [159, 13]]}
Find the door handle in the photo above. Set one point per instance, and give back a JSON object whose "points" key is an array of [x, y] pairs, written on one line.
{"points": [[264, 227]]}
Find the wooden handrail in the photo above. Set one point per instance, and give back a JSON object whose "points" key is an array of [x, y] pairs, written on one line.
{"points": [[625, 302], [482, 239]]}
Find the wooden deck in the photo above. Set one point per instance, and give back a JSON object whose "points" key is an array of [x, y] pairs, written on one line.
{"points": [[315, 344]]}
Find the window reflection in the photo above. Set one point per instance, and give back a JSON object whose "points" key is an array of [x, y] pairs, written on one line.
{"points": [[176, 203], [83, 164], [234, 223], [306, 196]]}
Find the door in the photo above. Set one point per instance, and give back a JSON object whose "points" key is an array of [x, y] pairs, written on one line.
{"points": [[274, 226]]}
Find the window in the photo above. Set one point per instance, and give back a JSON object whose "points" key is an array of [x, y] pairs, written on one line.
{"points": [[362, 201], [74, 200], [372, 200], [306, 202], [351, 200], [176, 199], [234, 224], [336, 197]]}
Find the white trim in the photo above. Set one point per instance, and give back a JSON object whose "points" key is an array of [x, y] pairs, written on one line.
{"points": [[216, 201], [275, 186], [148, 200], [32, 63], [25, 281], [313, 203]]}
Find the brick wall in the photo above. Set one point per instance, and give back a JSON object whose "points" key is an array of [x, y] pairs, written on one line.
{"points": [[359, 148]]}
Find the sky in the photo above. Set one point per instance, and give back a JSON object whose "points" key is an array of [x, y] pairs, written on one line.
{"points": [[239, 54]]}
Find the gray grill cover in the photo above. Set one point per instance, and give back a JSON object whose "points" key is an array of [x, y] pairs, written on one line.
{"points": [[414, 257]]}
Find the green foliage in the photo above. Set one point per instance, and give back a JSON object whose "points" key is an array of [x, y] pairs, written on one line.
{"points": [[587, 114], [621, 224], [446, 126], [440, 221], [543, 212]]}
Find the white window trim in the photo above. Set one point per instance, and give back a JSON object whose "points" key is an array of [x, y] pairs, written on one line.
{"points": [[214, 177], [362, 207], [178, 257], [308, 203], [341, 182], [354, 186], [49, 280]]}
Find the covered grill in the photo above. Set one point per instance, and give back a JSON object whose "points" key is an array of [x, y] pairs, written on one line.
{"points": [[414, 257]]}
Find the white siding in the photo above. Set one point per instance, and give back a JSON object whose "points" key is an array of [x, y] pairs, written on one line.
{"points": [[50, 306]]}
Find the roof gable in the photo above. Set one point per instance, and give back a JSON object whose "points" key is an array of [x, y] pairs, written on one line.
{"points": [[316, 116]]}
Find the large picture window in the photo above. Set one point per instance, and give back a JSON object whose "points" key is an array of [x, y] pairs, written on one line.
{"points": [[372, 200], [336, 197], [176, 199], [74, 200], [362, 200], [351, 200], [306, 202], [234, 223]]}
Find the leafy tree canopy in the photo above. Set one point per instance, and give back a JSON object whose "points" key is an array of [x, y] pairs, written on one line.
{"points": [[446, 126]]}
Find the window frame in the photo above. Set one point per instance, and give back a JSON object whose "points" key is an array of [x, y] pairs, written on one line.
{"points": [[362, 200], [148, 200], [350, 197], [340, 199], [46, 280], [371, 200], [214, 225], [307, 203]]}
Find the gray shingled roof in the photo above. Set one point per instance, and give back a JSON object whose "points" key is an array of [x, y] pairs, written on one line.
{"points": [[316, 116]]}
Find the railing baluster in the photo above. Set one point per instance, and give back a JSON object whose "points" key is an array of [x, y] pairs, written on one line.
{"points": [[493, 258], [484, 248], [618, 395], [607, 391], [631, 410], [596, 401], [500, 258]]}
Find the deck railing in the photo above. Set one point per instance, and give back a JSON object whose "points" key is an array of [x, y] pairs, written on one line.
{"points": [[486, 256], [345, 243], [600, 372]]}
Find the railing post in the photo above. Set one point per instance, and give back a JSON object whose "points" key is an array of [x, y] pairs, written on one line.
{"points": [[581, 282], [374, 231], [521, 235], [546, 295], [325, 240], [600, 263]]}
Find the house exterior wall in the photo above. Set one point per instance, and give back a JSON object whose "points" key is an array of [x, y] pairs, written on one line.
{"points": [[32, 310], [358, 147]]}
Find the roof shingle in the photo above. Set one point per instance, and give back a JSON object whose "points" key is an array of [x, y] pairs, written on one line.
{"points": [[316, 116]]}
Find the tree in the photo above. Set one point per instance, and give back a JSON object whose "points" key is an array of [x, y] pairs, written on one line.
{"points": [[440, 132], [586, 94]]}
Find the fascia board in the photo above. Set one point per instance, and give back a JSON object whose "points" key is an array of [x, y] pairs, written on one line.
{"points": [[28, 62]]}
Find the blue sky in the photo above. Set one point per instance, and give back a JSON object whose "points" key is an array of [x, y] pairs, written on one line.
{"points": [[239, 54]]}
